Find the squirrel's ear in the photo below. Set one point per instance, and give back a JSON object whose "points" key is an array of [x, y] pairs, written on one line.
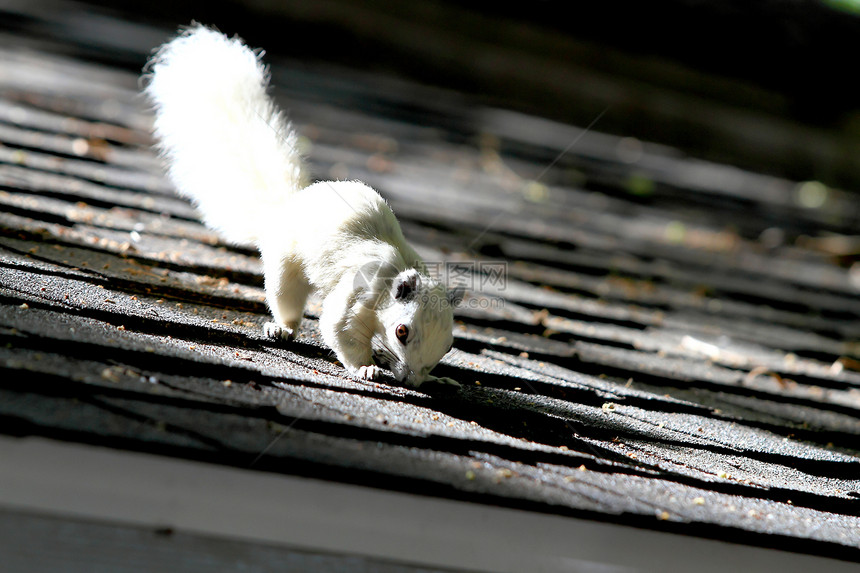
{"points": [[456, 294], [406, 285]]}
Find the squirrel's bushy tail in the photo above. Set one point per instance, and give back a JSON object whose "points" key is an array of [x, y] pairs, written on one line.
{"points": [[228, 147]]}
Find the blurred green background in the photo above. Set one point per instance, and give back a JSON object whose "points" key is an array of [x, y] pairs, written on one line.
{"points": [[766, 85]]}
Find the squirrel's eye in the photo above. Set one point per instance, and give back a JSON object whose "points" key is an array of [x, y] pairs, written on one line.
{"points": [[402, 333]]}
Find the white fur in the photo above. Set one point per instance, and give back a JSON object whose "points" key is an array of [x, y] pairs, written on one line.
{"points": [[232, 152], [222, 135]]}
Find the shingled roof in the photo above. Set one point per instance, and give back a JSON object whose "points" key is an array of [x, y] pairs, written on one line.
{"points": [[648, 340]]}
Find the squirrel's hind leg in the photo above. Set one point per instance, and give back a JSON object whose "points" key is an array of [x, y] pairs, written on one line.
{"points": [[287, 290]]}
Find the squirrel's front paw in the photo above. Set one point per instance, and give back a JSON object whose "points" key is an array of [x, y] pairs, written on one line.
{"points": [[274, 330], [368, 372]]}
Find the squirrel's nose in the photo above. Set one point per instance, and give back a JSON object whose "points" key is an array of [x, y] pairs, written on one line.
{"points": [[414, 378], [401, 372]]}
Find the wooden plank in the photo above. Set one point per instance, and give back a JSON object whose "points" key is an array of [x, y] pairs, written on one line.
{"points": [[79, 546]]}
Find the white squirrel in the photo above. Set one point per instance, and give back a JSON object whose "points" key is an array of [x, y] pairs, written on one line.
{"points": [[232, 151]]}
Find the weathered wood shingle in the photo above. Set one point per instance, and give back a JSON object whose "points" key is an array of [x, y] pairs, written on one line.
{"points": [[671, 346]]}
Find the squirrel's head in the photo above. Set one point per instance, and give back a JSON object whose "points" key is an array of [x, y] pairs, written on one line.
{"points": [[416, 326]]}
